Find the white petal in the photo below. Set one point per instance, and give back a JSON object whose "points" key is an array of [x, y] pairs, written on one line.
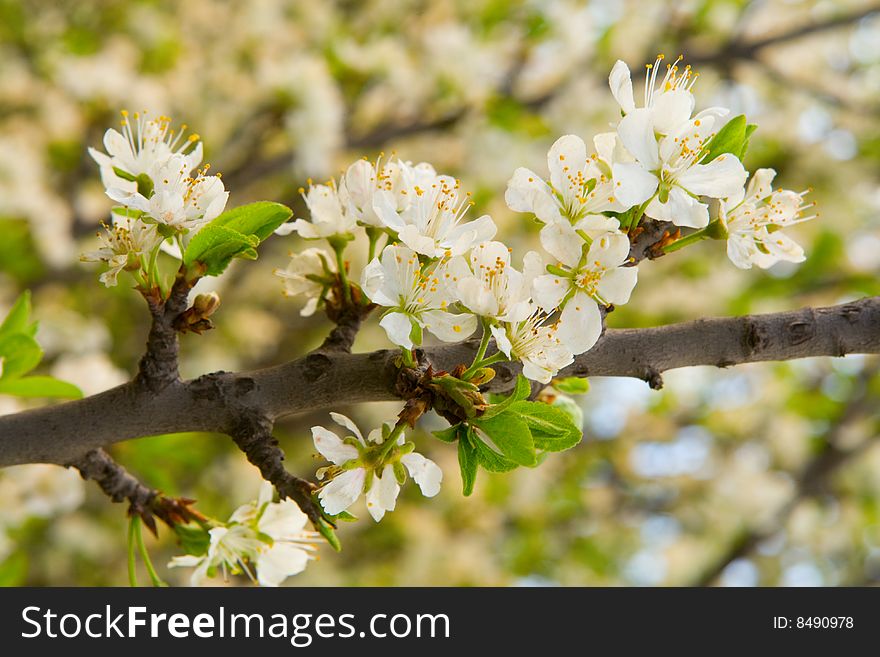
{"points": [[740, 250], [636, 132], [633, 184], [501, 340], [567, 156], [672, 109], [620, 82], [562, 242], [549, 290], [425, 472], [382, 495], [580, 324], [398, 327], [283, 520], [723, 176], [378, 284], [608, 251], [419, 243], [343, 491], [280, 562], [681, 209], [331, 446], [348, 423], [522, 189], [449, 327], [617, 285]]}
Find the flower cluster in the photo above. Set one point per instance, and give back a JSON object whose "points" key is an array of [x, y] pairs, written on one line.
{"points": [[148, 169], [266, 540], [443, 272]]}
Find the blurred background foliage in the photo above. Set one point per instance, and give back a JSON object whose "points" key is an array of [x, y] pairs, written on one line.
{"points": [[763, 474]]}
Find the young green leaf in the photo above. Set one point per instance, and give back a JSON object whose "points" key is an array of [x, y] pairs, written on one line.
{"points": [[20, 354], [467, 461], [551, 428], [728, 140], [326, 530], [19, 318], [572, 385], [490, 459], [235, 234], [521, 391], [216, 246], [449, 434], [259, 219], [511, 434], [750, 128], [39, 386]]}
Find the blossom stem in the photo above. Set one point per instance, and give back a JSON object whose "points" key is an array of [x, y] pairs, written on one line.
{"points": [[407, 356], [133, 524], [484, 343], [343, 276], [478, 365], [687, 240], [142, 548], [153, 268], [389, 443], [374, 234]]}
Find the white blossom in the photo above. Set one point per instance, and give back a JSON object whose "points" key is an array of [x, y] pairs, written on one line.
{"points": [[270, 536], [364, 182], [178, 201], [534, 342], [418, 296], [378, 482], [596, 275], [670, 105], [328, 215], [309, 274], [668, 170], [122, 247], [432, 222], [139, 148], [755, 219], [493, 288]]}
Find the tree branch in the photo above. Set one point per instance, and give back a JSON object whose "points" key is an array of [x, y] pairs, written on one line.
{"points": [[65, 432], [158, 367], [118, 484]]}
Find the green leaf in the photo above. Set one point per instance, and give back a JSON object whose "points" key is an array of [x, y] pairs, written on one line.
{"points": [[216, 246], [14, 569], [19, 318], [194, 539], [490, 459], [510, 434], [522, 390], [20, 354], [449, 434], [345, 516], [750, 128], [39, 386], [467, 461], [551, 428], [235, 234], [327, 531], [729, 139], [259, 219], [572, 385]]}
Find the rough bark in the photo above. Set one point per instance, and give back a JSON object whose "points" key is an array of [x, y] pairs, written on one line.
{"points": [[64, 432]]}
